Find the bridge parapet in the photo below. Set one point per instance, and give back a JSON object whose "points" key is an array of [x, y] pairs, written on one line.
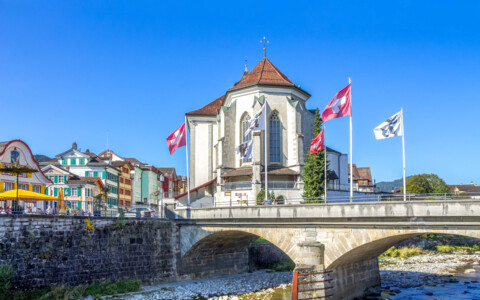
{"points": [[394, 209]]}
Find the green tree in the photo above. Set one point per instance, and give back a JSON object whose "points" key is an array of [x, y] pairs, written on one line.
{"points": [[261, 196], [426, 184], [314, 169]]}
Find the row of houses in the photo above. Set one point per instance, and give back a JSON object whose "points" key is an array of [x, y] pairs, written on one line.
{"points": [[81, 176]]}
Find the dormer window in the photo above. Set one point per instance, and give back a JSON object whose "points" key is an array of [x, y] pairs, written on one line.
{"points": [[64, 161], [73, 161]]}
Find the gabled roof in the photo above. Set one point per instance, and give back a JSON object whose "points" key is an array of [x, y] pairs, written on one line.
{"points": [[263, 73], [467, 188], [168, 172], [365, 173], [133, 160], [211, 109]]}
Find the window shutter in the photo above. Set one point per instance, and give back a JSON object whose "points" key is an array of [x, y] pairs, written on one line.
{"points": [[79, 205], [55, 192], [79, 192], [46, 192], [95, 173], [56, 179], [29, 187], [86, 173], [103, 175]]}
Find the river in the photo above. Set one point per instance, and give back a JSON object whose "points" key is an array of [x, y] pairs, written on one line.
{"points": [[444, 276]]}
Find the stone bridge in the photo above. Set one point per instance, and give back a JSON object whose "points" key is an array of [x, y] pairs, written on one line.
{"points": [[343, 238]]}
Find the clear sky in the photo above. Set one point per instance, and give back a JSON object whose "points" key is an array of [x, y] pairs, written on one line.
{"points": [[75, 70]]}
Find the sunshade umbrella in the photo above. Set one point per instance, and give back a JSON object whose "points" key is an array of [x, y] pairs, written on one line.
{"points": [[23, 194], [61, 202]]}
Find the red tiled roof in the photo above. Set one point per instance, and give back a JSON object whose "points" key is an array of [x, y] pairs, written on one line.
{"points": [[281, 171], [238, 172], [210, 109], [263, 73], [197, 188]]}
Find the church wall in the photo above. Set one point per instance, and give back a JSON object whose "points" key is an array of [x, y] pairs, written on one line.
{"points": [[201, 150]]}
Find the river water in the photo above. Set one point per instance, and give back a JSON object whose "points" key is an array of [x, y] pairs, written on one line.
{"points": [[462, 282], [422, 277]]}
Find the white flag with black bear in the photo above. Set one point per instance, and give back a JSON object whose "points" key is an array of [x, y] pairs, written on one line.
{"points": [[258, 121], [244, 150], [392, 127]]}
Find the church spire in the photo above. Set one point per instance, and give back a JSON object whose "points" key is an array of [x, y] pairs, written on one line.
{"points": [[246, 67]]}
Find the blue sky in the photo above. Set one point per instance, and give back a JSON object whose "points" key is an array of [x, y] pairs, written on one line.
{"points": [[75, 70]]}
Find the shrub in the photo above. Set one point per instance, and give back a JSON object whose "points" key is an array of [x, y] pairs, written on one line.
{"points": [[286, 265], [6, 277], [403, 252]]}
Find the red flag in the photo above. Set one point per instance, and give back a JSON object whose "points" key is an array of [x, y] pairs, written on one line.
{"points": [[177, 139], [339, 106], [317, 143]]}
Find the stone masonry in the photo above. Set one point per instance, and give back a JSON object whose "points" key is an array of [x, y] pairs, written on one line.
{"points": [[46, 250]]}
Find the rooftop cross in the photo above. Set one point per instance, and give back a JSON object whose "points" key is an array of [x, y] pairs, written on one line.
{"points": [[265, 42]]}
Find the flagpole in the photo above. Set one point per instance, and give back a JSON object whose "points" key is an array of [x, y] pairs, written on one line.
{"points": [[403, 150], [325, 157], [266, 160], [351, 147], [188, 169]]}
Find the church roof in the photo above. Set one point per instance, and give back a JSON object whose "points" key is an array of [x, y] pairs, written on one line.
{"points": [[263, 73], [210, 109]]}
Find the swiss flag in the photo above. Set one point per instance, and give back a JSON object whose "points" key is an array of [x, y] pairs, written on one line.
{"points": [[317, 143], [177, 139], [339, 106]]}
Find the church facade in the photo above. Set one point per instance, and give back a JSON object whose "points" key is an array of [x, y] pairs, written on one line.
{"points": [[217, 129]]}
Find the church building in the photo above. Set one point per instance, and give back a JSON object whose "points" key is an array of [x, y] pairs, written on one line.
{"points": [[218, 176]]}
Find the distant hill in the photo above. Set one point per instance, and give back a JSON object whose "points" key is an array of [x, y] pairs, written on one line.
{"points": [[389, 186], [41, 157]]}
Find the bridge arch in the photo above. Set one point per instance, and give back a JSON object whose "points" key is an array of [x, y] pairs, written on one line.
{"points": [[225, 249], [359, 245]]}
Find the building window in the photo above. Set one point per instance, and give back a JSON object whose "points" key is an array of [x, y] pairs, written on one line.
{"points": [[73, 161], [81, 161], [245, 123], [64, 161], [7, 186], [74, 192], [275, 138], [61, 179], [36, 189]]}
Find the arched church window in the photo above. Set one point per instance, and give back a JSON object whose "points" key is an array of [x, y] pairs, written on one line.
{"points": [[275, 138], [248, 137]]}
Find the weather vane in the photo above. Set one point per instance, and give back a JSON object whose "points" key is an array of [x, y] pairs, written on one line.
{"points": [[265, 42]]}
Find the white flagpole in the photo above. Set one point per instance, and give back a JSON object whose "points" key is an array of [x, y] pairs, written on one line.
{"points": [[325, 156], [266, 159], [403, 149], [351, 147], [188, 169]]}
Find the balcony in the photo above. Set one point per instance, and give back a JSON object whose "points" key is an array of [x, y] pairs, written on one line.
{"points": [[237, 185], [281, 185]]}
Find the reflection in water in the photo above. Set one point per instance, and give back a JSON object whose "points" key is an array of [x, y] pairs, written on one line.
{"points": [[467, 286], [283, 292]]}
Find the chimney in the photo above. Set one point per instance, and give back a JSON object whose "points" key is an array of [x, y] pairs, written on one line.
{"points": [[74, 145], [87, 151]]}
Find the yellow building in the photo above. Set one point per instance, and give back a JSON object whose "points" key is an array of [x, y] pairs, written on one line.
{"points": [[17, 153], [124, 183]]}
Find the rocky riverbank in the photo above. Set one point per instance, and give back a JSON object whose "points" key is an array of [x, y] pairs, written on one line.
{"points": [[217, 288], [427, 269], [415, 277]]}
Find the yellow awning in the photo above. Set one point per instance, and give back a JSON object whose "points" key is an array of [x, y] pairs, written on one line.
{"points": [[23, 194]]}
